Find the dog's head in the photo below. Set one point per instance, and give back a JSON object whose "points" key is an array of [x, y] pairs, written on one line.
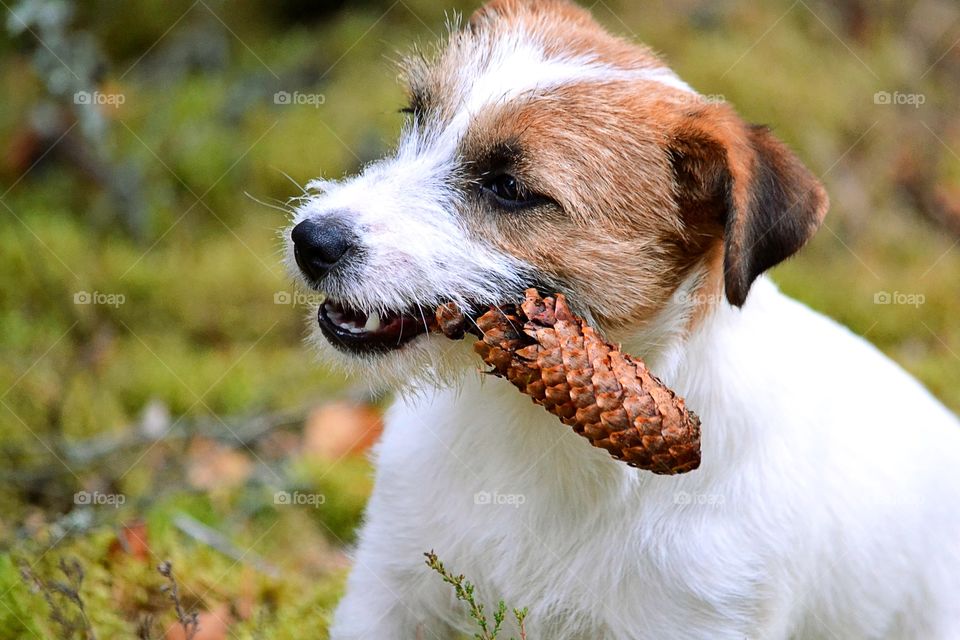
{"points": [[541, 150]]}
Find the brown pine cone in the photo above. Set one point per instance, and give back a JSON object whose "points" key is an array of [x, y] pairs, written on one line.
{"points": [[607, 396]]}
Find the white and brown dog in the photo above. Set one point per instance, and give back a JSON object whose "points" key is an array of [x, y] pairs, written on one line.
{"points": [[541, 150]]}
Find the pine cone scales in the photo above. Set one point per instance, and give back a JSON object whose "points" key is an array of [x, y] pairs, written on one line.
{"points": [[607, 396]]}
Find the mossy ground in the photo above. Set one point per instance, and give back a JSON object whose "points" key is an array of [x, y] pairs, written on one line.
{"points": [[200, 329]]}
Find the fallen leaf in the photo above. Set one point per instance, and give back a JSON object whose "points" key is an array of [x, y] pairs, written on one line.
{"points": [[132, 540], [341, 428]]}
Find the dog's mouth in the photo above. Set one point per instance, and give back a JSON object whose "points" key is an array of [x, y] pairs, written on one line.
{"points": [[358, 331]]}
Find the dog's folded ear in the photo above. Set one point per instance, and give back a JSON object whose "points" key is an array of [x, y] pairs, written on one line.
{"points": [[740, 179]]}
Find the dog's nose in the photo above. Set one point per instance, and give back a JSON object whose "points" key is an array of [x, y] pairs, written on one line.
{"points": [[319, 246]]}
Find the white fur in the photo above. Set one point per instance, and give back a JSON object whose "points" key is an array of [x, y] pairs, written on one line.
{"points": [[514, 64], [826, 505]]}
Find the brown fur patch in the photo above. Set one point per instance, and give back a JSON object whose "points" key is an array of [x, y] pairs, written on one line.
{"points": [[600, 151]]}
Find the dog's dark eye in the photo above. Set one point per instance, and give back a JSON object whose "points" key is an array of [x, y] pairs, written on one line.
{"points": [[506, 188], [508, 192]]}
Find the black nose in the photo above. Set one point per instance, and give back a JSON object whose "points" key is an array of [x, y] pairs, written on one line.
{"points": [[319, 246]]}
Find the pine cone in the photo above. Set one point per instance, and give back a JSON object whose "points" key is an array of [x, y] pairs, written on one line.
{"points": [[607, 396]]}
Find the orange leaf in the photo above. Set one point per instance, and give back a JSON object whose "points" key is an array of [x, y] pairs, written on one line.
{"points": [[341, 428], [132, 540]]}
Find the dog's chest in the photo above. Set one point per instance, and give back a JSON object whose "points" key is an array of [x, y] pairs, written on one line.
{"points": [[533, 515]]}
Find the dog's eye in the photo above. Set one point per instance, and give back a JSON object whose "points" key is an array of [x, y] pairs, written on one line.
{"points": [[506, 188], [508, 192]]}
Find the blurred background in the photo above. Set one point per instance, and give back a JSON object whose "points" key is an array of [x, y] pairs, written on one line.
{"points": [[156, 402]]}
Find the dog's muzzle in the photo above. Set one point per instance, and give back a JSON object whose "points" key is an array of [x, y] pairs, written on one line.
{"points": [[325, 248]]}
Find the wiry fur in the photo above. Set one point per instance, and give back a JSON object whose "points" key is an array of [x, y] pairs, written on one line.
{"points": [[827, 501]]}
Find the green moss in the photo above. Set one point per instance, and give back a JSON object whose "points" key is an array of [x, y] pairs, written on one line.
{"points": [[22, 613], [344, 485]]}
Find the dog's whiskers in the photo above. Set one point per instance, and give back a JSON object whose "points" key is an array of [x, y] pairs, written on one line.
{"points": [[295, 183], [507, 318], [280, 207], [426, 326], [482, 332]]}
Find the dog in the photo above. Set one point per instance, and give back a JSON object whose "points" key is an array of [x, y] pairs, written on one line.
{"points": [[540, 150]]}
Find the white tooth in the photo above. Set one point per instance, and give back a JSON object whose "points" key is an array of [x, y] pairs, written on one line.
{"points": [[373, 322]]}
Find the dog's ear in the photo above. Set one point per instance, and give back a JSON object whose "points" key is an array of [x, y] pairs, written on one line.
{"points": [[739, 178]]}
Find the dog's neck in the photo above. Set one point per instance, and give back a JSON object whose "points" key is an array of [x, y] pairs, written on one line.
{"points": [[662, 342]]}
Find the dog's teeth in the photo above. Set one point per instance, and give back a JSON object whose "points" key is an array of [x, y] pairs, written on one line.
{"points": [[373, 322]]}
